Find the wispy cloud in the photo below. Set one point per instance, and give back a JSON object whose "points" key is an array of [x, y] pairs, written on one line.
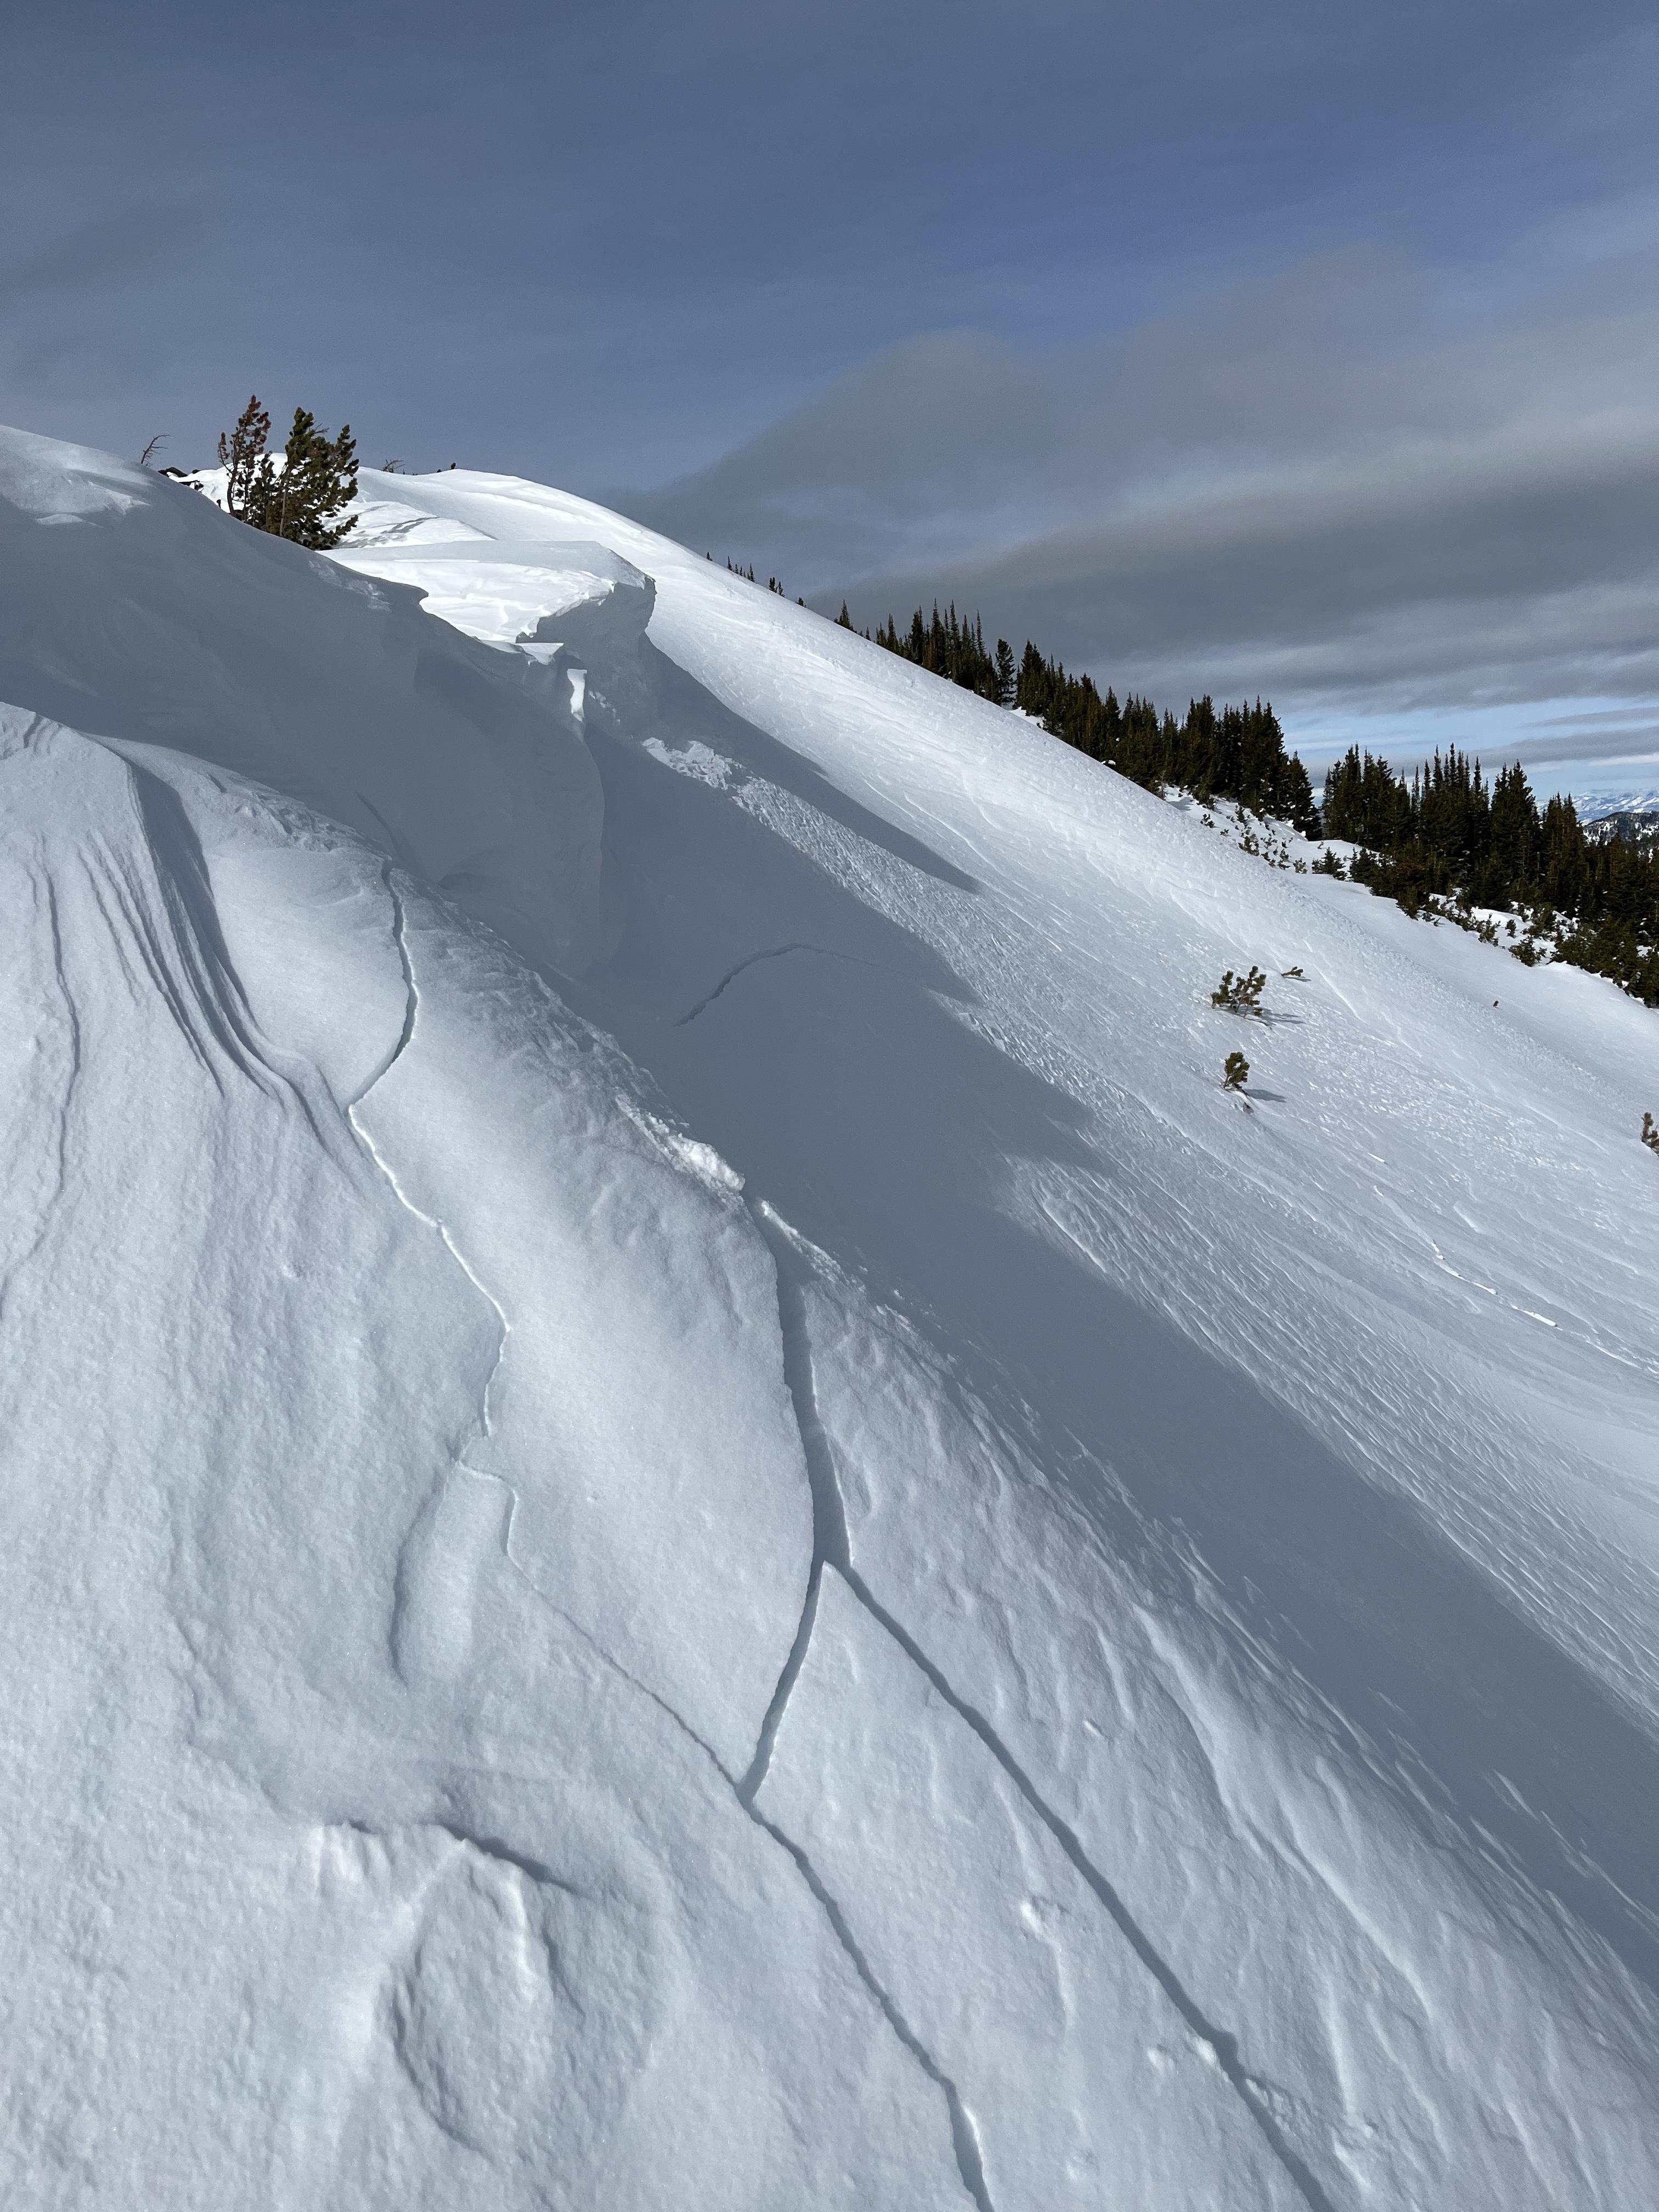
{"points": [[1333, 486]]}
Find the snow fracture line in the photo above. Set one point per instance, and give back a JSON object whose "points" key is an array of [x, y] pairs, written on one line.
{"points": [[964, 2136], [411, 996], [830, 1545], [829, 1541], [829, 1518], [830, 1530], [1224, 2046], [771, 953], [428, 1220]]}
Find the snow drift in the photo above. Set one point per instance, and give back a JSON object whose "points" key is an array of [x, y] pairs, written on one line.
{"points": [[689, 1520]]}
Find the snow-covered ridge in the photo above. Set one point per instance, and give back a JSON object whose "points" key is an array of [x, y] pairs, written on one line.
{"points": [[689, 1520], [1639, 825], [1618, 802]]}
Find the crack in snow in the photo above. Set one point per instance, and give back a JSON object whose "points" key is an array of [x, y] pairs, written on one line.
{"points": [[829, 1534], [1213, 2042], [72, 1015], [828, 1516], [585, 1635], [42, 887], [429, 1220], [770, 952], [830, 1544], [411, 996], [963, 2135], [72, 1075]]}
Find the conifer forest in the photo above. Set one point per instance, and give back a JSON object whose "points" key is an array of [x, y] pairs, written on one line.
{"points": [[1445, 839]]}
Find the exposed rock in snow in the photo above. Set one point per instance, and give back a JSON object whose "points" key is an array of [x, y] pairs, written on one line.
{"points": [[689, 1520]]}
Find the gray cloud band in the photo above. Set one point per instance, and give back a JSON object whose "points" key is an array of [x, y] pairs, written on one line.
{"points": [[1278, 492]]}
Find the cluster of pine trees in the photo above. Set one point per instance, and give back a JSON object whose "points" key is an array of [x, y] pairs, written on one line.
{"points": [[955, 650], [748, 576], [1446, 830], [1233, 752], [1236, 752], [1443, 832], [303, 498]]}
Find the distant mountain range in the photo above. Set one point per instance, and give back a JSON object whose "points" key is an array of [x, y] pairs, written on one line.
{"points": [[1633, 815]]}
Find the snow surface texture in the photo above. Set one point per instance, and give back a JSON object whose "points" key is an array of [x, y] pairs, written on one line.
{"points": [[690, 1521]]}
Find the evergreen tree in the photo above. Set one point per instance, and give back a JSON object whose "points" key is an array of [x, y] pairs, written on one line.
{"points": [[1240, 994], [1447, 831], [319, 478], [1512, 840], [1443, 833], [298, 494], [242, 455]]}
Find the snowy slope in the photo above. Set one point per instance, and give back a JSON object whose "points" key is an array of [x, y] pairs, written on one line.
{"points": [[691, 1520]]}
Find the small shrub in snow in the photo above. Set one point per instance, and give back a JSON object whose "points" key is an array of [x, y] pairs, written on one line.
{"points": [[1235, 1072], [1240, 994], [1649, 1133], [1328, 863]]}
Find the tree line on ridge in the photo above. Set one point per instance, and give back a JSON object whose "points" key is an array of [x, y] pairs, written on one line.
{"points": [[1444, 833]]}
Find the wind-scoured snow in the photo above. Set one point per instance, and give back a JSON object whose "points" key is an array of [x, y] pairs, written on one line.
{"points": [[690, 1519]]}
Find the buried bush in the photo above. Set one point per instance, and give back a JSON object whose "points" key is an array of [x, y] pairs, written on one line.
{"points": [[1240, 994]]}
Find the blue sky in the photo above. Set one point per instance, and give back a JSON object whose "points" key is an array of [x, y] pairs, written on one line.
{"points": [[1305, 350]]}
